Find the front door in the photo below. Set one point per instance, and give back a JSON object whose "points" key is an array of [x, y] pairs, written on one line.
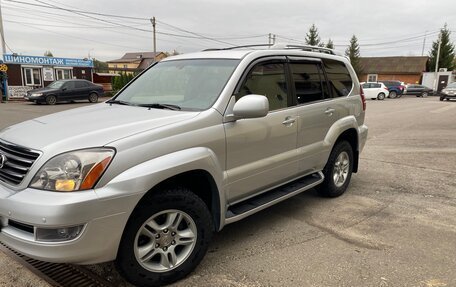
{"points": [[261, 152]]}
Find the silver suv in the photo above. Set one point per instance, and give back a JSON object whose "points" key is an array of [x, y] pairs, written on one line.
{"points": [[195, 142]]}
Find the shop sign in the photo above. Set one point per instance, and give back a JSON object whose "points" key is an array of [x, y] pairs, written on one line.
{"points": [[47, 61], [48, 74]]}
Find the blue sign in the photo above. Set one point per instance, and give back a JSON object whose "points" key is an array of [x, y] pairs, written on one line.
{"points": [[46, 61]]}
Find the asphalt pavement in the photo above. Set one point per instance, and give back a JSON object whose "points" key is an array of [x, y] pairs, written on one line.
{"points": [[395, 226]]}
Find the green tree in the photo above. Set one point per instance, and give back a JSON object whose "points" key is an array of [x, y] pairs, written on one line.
{"points": [[99, 66], [312, 38], [447, 51], [48, 53], [352, 52], [330, 44]]}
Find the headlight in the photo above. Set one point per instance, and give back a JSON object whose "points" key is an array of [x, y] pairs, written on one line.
{"points": [[76, 170], [36, 94]]}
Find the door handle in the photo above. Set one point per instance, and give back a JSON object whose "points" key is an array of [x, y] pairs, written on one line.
{"points": [[288, 121], [329, 111]]}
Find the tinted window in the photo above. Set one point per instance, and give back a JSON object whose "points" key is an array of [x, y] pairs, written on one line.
{"points": [[80, 84], [339, 78], [69, 85], [376, 85], [308, 82], [267, 79], [366, 85]]}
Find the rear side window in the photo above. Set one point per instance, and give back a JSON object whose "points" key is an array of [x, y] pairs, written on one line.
{"points": [[339, 78], [376, 85], [309, 82], [80, 85]]}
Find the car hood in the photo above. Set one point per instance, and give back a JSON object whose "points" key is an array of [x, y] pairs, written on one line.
{"points": [[92, 126], [449, 90], [42, 90]]}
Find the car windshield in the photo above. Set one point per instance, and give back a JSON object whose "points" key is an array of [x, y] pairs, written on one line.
{"points": [[452, 85], [56, 85], [187, 84]]}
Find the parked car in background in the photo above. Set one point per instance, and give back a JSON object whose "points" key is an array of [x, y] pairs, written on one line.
{"points": [[418, 90], [395, 88], [375, 91], [449, 92], [66, 91]]}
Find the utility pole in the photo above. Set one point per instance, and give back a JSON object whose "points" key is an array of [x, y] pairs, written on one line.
{"points": [[273, 39], [155, 39], [270, 39], [2, 34], [436, 82], [424, 43]]}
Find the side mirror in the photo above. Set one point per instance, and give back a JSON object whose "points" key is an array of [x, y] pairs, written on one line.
{"points": [[251, 106], [64, 89]]}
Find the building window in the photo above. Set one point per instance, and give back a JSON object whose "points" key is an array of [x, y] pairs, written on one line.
{"points": [[372, 77], [63, 74], [125, 66], [32, 76], [115, 66]]}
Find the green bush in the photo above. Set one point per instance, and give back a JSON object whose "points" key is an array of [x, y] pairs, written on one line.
{"points": [[120, 81]]}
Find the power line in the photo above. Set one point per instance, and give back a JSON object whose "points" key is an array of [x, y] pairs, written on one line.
{"points": [[51, 6]]}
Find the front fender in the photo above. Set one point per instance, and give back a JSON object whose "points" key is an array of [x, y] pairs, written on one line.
{"points": [[141, 178]]}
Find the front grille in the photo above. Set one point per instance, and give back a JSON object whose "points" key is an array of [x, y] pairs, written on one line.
{"points": [[17, 164]]}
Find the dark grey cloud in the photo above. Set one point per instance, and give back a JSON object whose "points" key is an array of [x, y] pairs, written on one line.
{"points": [[401, 24]]}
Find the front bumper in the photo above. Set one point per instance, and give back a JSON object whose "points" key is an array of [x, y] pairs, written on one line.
{"points": [[104, 220], [34, 98]]}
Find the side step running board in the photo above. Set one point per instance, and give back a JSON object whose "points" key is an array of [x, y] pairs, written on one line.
{"points": [[252, 205]]}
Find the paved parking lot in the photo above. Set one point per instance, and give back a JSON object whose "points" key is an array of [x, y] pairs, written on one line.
{"points": [[396, 226]]}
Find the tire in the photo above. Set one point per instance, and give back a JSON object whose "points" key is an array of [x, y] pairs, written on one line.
{"points": [[393, 95], [152, 233], [424, 94], [334, 184], [93, 97], [381, 96], [442, 98], [51, 100]]}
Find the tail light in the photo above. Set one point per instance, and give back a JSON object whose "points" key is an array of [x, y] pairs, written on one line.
{"points": [[386, 88], [363, 98]]}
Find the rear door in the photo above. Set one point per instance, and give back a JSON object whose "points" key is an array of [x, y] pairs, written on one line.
{"points": [[316, 112], [81, 90], [261, 152]]}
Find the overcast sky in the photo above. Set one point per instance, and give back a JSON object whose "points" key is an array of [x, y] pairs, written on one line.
{"points": [[393, 28]]}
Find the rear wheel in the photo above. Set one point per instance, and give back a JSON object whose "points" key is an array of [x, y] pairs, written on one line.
{"points": [[338, 171], [93, 98], [51, 100], [424, 94], [165, 238], [381, 96], [393, 95]]}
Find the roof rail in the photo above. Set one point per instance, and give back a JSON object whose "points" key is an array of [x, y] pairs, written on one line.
{"points": [[308, 48], [284, 47], [238, 47]]}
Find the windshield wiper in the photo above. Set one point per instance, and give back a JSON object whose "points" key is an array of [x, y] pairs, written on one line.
{"points": [[119, 102], [161, 106]]}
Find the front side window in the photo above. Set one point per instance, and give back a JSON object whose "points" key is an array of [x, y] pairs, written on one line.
{"points": [[190, 84], [309, 82], [267, 79], [339, 78], [56, 84]]}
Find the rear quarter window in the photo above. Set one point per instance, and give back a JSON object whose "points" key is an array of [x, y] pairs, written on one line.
{"points": [[339, 78]]}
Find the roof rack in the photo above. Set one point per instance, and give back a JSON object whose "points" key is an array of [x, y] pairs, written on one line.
{"points": [[284, 47], [238, 47]]}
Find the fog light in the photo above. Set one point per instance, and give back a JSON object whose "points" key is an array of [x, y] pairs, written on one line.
{"points": [[58, 234]]}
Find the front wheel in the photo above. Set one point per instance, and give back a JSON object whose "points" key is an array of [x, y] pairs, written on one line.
{"points": [[424, 94], [165, 238], [338, 171], [51, 100], [393, 95]]}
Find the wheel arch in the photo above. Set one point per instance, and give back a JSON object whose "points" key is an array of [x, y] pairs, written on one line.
{"points": [[345, 129]]}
